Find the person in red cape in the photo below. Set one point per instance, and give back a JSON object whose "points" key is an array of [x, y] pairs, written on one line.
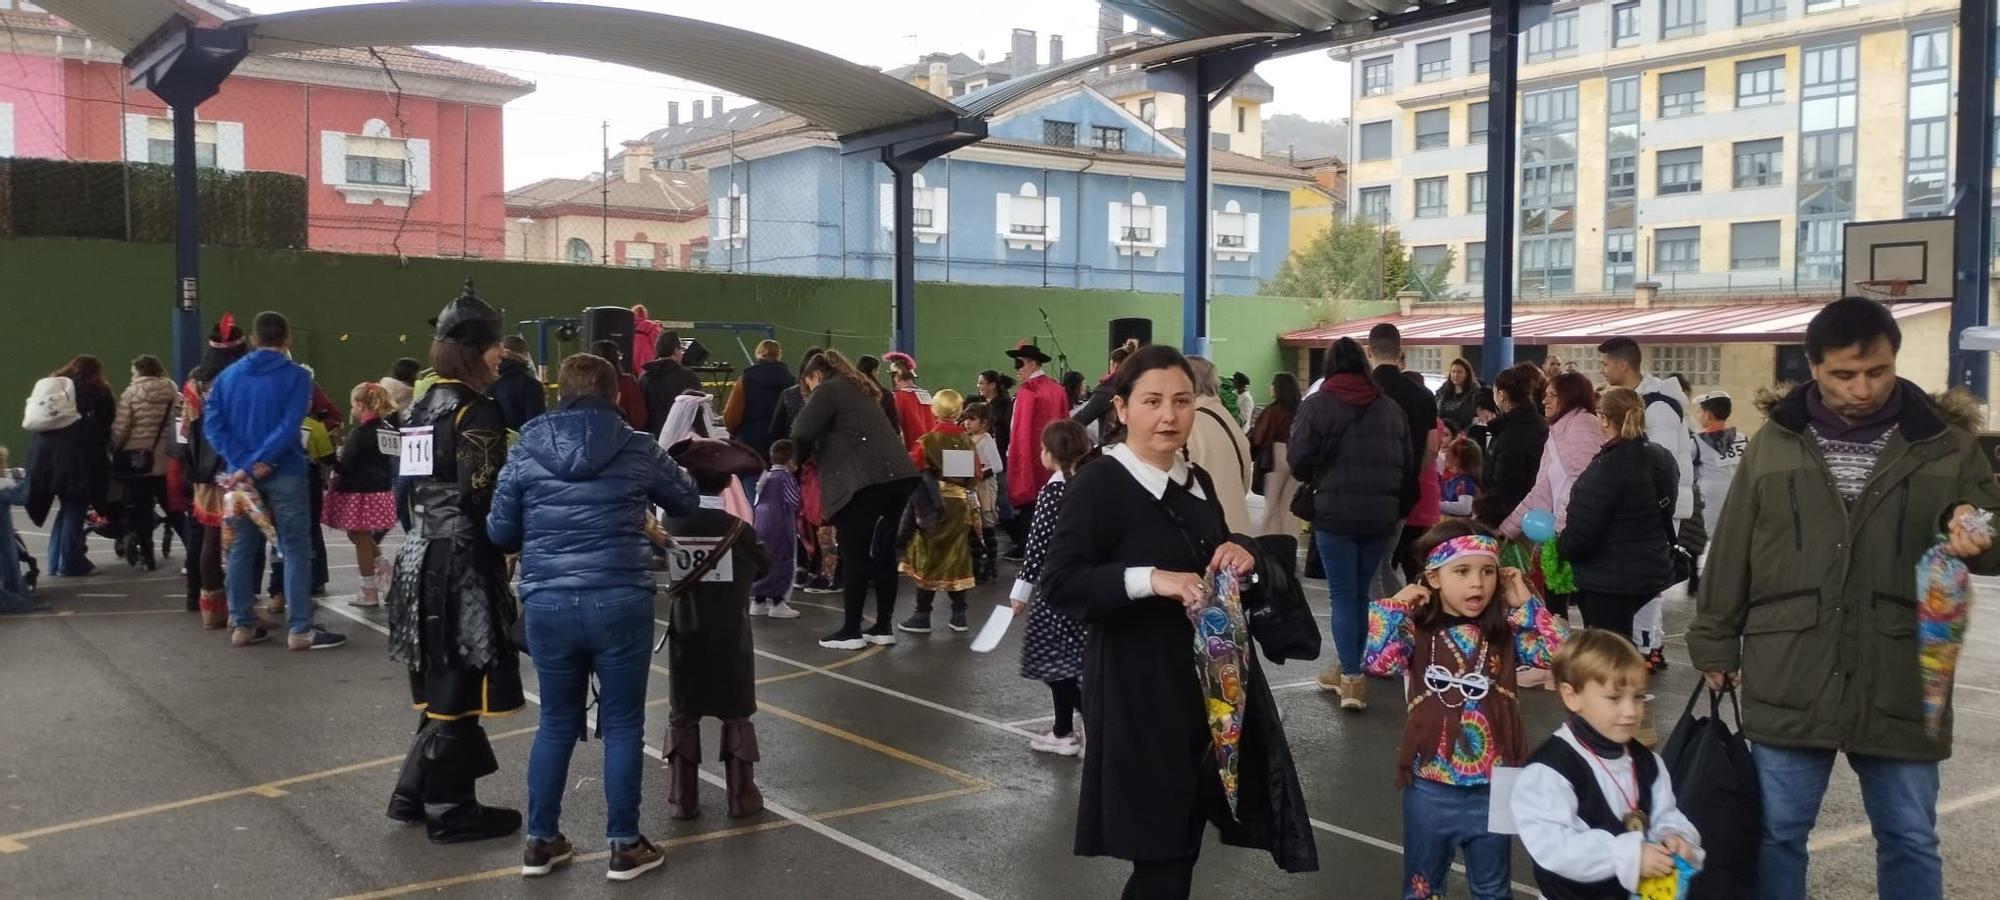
{"points": [[1037, 402], [913, 404]]}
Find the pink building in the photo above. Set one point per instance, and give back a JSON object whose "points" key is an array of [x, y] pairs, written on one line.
{"points": [[418, 173]]}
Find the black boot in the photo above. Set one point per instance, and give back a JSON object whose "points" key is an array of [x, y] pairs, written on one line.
{"points": [[683, 767], [739, 759], [406, 803], [459, 755]]}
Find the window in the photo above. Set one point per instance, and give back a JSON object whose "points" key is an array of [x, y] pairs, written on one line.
{"points": [[376, 161], [1623, 98], [638, 255], [1431, 193], [736, 209], [1621, 178], [1820, 6], [1425, 261], [1681, 92], [1433, 129], [1026, 220], [1376, 141], [1548, 265], [1476, 122], [1147, 110], [373, 166], [1377, 76], [1236, 232], [1434, 61], [1701, 363], [1548, 191], [930, 209], [1758, 163], [1475, 192], [6, 127], [1618, 260], [1056, 133], [1625, 24], [1242, 120], [150, 139], [1829, 85], [1480, 45], [1475, 262], [1753, 245], [1680, 171], [1927, 161], [1554, 38], [160, 150], [1677, 250], [1423, 359], [1108, 139], [1680, 18], [1375, 205], [579, 250], [1138, 227], [1752, 12], [1760, 82]]}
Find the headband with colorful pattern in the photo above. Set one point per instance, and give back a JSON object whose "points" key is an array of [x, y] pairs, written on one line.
{"points": [[1463, 545]]}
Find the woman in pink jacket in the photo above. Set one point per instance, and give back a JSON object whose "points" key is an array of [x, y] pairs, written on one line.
{"points": [[1570, 403]]}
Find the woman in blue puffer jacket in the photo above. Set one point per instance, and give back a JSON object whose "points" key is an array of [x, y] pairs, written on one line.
{"points": [[573, 500]]}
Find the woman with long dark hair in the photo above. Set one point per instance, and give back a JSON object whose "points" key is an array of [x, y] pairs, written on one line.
{"points": [[197, 469], [1458, 396], [864, 480], [1269, 440], [1570, 403], [1136, 546], [993, 388], [73, 464], [449, 606], [1514, 452]]}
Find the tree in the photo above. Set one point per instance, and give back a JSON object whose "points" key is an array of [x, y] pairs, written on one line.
{"points": [[1350, 262]]}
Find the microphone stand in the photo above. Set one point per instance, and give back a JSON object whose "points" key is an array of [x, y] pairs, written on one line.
{"points": [[1062, 359]]}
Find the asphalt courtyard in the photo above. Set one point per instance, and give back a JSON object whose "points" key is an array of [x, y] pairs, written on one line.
{"points": [[141, 756]]}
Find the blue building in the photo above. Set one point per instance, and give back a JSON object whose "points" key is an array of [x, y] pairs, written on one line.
{"points": [[1069, 190]]}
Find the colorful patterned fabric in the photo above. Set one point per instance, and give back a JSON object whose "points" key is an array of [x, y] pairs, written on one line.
{"points": [[1221, 639], [1851, 464], [1944, 591], [1463, 545]]}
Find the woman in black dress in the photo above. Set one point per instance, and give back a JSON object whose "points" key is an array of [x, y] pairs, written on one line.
{"points": [[1137, 533], [450, 608]]}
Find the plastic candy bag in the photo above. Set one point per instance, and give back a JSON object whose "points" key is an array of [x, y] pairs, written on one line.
{"points": [[241, 499], [1221, 645], [1944, 602]]}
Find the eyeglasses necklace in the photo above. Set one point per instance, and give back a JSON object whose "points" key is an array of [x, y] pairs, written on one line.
{"points": [[1471, 687]]}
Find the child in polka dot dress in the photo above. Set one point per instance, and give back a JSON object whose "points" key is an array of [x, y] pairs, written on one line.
{"points": [[1458, 634], [1052, 651]]}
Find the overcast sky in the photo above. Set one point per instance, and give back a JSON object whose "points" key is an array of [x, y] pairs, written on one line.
{"points": [[555, 130]]}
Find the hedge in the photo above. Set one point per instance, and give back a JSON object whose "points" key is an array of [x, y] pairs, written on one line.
{"points": [[79, 199]]}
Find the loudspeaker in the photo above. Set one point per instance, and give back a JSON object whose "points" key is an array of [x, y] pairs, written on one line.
{"points": [[1123, 330], [692, 352], [609, 323]]}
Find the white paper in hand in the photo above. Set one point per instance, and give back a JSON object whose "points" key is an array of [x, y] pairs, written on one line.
{"points": [[995, 629], [958, 463], [1500, 801]]}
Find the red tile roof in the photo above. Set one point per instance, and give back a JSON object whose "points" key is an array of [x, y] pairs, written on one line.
{"points": [[1743, 323]]}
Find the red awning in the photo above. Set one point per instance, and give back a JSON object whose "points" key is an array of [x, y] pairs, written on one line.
{"points": [[1757, 323]]}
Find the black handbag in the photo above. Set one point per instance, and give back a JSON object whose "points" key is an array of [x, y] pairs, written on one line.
{"points": [[139, 463], [1715, 786]]}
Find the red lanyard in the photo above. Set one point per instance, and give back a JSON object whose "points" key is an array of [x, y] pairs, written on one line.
{"points": [[1635, 818]]}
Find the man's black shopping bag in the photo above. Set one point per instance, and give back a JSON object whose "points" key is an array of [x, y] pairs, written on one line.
{"points": [[1715, 784]]}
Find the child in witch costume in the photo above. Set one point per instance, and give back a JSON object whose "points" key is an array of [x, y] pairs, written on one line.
{"points": [[939, 540], [709, 651], [1595, 808], [449, 606], [1459, 633]]}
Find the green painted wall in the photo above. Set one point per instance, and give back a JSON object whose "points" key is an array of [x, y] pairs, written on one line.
{"points": [[353, 315]]}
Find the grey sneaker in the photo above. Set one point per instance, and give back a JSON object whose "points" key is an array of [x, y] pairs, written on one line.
{"points": [[244, 637], [541, 857], [629, 861]]}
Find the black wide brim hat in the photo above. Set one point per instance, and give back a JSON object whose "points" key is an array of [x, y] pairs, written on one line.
{"points": [[713, 456], [468, 320], [1029, 351]]}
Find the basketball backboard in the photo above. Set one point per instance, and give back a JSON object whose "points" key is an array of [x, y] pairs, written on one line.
{"points": [[1899, 260]]}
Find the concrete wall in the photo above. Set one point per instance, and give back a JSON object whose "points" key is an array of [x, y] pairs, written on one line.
{"points": [[354, 315]]}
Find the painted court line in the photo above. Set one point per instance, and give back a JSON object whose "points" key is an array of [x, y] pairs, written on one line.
{"points": [[1287, 686], [1857, 832]]}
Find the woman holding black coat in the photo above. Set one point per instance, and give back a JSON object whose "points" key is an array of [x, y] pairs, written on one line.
{"points": [[1518, 434], [1618, 534], [73, 464], [1138, 531]]}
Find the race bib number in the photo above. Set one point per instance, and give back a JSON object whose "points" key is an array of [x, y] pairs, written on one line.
{"points": [[414, 447], [389, 443], [691, 553]]}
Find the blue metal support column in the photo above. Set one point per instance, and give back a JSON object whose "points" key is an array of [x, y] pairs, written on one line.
{"points": [[185, 65], [1502, 154], [1973, 195], [1194, 270], [903, 303], [905, 149]]}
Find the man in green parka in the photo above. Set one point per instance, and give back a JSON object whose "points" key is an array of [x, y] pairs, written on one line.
{"points": [[1809, 594]]}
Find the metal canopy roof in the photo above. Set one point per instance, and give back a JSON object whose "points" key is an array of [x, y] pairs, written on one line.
{"points": [[1201, 18], [1737, 323]]}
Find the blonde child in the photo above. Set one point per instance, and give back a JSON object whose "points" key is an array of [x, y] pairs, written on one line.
{"points": [[1595, 808], [1457, 634], [978, 421], [361, 499], [939, 557], [777, 520], [1052, 652]]}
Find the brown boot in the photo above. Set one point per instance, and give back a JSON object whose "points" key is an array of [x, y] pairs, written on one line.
{"points": [[683, 767], [1353, 692], [739, 763], [214, 610], [1329, 680]]}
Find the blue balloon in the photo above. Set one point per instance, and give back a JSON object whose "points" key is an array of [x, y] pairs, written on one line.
{"points": [[1538, 525]]}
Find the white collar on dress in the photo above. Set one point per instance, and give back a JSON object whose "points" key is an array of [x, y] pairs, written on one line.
{"points": [[1152, 479]]}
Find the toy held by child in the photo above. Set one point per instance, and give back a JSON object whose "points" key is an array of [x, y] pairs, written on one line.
{"points": [[1052, 649], [777, 519], [939, 545], [1595, 808], [1458, 635]]}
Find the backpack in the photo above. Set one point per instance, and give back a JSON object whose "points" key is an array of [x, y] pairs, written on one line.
{"points": [[51, 406], [1657, 397], [1715, 786]]}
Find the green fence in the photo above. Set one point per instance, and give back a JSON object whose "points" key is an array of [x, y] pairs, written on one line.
{"points": [[354, 315]]}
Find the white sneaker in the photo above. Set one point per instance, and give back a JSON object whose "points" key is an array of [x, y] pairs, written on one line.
{"points": [[757, 608], [779, 609], [1067, 745]]}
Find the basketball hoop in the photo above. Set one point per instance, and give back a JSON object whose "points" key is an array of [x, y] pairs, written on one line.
{"points": [[1886, 290]]}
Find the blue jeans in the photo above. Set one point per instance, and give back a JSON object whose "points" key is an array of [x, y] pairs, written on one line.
{"points": [[1350, 565], [1901, 799], [290, 509], [66, 555], [1438, 821], [571, 635]]}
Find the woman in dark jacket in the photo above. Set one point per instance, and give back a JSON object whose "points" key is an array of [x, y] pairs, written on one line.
{"points": [[73, 464], [1518, 434], [519, 389], [864, 480], [1351, 443], [993, 388], [1619, 532], [753, 403], [1458, 396], [1096, 410], [1139, 533]]}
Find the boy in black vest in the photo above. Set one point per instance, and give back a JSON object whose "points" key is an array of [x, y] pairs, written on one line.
{"points": [[1594, 809]]}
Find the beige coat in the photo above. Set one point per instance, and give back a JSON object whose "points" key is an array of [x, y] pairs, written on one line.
{"points": [[145, 419], [1217, 444]]}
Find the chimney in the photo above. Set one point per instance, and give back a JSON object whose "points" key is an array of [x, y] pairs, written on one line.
{"points": [[1109, 23], [1055, 50], [1023, 55], [938, 77], [697, 111], [673, 113], [637, 158], [715, 107]]}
